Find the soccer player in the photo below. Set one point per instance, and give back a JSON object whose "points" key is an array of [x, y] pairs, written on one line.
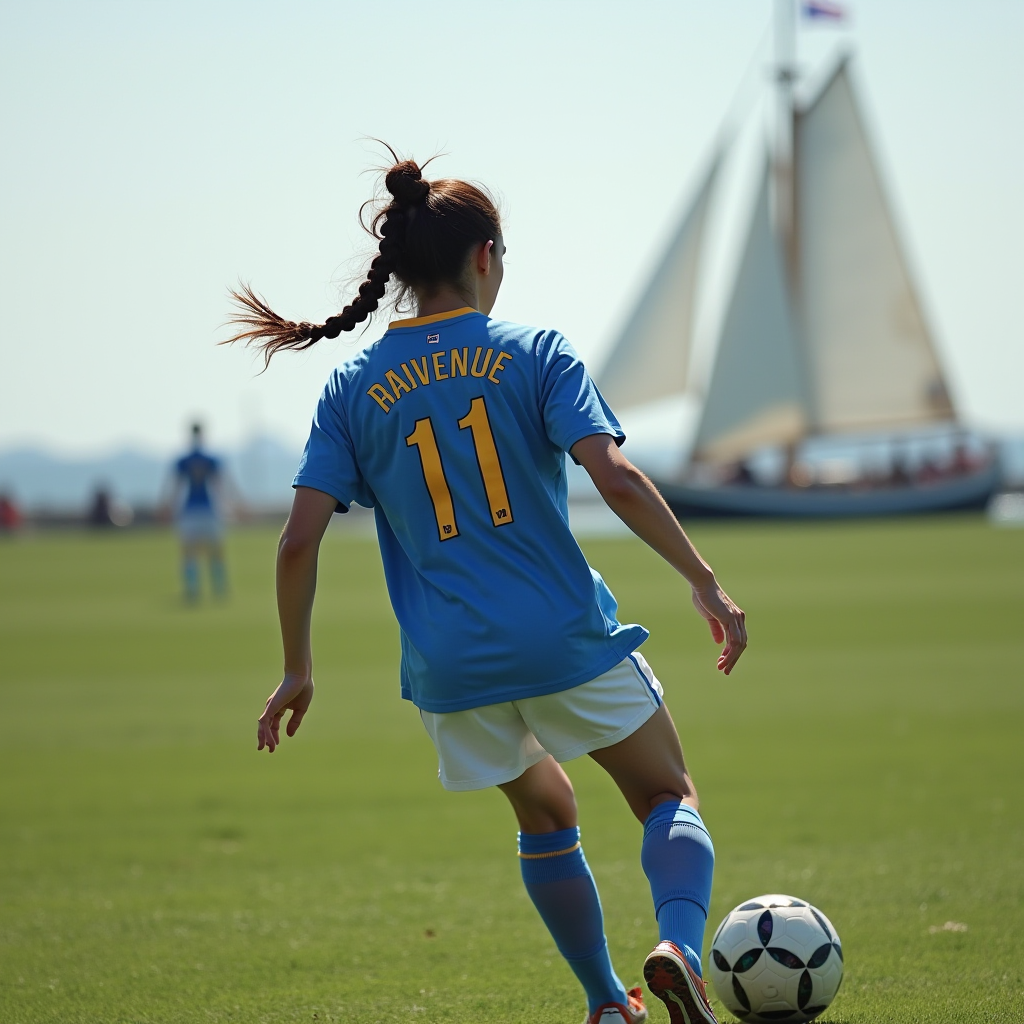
{"points": [[453, 427], [197, 480]]}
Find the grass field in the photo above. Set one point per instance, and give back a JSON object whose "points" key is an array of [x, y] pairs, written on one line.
{"points": [[868, 755]]}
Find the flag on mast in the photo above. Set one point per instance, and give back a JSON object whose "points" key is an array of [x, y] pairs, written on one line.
{"points": [[823, 10]]}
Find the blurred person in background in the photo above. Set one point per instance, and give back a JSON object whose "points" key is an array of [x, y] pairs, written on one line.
{"points": [[106, 511], [10, 515], [197, 504], [99, 508]]}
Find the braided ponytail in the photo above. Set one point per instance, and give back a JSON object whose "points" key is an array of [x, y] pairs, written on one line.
{"points": [[424, 235], [270, 333]]}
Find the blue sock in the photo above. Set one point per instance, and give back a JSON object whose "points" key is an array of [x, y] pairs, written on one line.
{"points": [[559, 882], [218, 576], [190, 578], [679, 860]]}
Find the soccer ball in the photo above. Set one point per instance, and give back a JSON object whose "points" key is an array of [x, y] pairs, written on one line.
{"points": [[776, 958]]}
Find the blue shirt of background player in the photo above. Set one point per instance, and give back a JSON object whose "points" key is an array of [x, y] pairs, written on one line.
{"points": [[198, 470], [506, 607]]}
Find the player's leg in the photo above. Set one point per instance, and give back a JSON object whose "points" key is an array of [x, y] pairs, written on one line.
{"points": [[542, 798], [648, 766], [677, 856], [218, 567], [493, 746], [558, 880], [190, 551]]}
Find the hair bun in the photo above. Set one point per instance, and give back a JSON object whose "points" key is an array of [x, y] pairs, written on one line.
{"points": [[405, 182]]}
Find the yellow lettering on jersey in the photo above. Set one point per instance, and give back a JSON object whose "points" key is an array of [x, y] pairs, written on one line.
{"points": [[446, 366], [397, 384], [381, 396], [499, 365], [421, 370], [487, 360], [408, 374], [460, 363]]}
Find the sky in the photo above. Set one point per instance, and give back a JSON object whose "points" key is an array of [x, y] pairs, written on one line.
{"points": [[155, 153]]}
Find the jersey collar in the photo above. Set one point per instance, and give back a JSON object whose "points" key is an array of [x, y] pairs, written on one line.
{"points": [[422, 321]]}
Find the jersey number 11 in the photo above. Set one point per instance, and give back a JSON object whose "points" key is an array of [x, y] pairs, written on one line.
{"points": [[486, 457]]}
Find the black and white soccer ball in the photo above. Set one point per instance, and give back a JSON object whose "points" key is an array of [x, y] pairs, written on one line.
{"points": [[776, 958]]}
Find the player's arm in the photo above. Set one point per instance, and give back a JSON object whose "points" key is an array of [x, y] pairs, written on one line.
{"points": [[636, 501], [229, 498], [297, 554]]}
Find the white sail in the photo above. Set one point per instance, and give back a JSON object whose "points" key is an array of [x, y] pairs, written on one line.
{"points": [[651, 358], [755, 396], [870, 359]]}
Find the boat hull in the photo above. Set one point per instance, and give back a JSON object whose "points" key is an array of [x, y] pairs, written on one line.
{"points": [[971, 491]]}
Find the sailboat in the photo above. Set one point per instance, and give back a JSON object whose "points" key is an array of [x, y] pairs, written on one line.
{"points": [[823, 336]]}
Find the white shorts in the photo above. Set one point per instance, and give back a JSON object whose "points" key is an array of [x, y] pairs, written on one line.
{"points": [[490, 745], [200, 526]]}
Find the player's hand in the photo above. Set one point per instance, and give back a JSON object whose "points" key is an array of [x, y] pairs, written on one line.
{"points": [[294, 694], [726, 621]]}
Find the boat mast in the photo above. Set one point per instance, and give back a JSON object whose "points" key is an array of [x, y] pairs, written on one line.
{"points": [[784, 73], [784, 176]]}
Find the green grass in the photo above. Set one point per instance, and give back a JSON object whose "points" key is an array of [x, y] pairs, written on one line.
{"points": [[867, 756]]}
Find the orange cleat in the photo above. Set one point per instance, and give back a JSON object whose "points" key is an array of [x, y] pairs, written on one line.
{"points": [[678, 986], [615, 1013]]}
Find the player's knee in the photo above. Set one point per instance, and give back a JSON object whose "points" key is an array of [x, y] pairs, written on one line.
{"points": [[546, 817], [557, 807], [559, 810], [684, 790], [567, 809], [542, 798]]}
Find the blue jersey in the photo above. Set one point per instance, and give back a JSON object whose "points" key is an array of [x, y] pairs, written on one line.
{"points": [[198, 470], [454, 429]]}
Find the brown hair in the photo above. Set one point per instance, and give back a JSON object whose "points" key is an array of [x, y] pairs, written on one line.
{"points": [[425, 234]]}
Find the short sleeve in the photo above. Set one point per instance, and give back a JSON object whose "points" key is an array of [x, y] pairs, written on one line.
{"points": [[573, 407], [328, 463]]}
